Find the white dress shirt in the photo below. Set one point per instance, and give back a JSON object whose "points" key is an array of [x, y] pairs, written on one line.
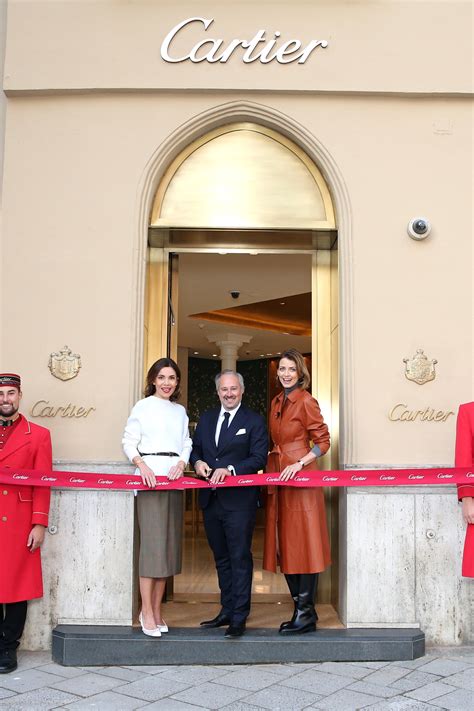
{"points": [[220, 422], [220, 419]]}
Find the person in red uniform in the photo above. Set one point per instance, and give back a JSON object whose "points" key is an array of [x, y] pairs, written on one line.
{"points": [[23, 518], [464, 457]]}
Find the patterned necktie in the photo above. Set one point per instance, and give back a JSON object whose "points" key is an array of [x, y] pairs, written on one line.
{"points": [[224, 430]]}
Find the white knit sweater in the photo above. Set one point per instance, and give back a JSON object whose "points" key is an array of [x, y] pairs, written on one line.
{"points": [[157, 425]]}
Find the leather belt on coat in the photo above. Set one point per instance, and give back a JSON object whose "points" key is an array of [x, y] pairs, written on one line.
{"points": [[289, 446]]}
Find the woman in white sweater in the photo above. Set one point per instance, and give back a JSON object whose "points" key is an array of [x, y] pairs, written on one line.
{"points": [[156, 440]]}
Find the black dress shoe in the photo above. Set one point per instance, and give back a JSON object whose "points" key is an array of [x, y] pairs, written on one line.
{"points": [[234, 631], [219, 621], [8, 661]]}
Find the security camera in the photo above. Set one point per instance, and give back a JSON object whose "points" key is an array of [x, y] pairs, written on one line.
{"points": [[419, 228], [234, 293]]}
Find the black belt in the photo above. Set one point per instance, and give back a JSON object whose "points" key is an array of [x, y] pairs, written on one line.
{"points": [[158, 454]]}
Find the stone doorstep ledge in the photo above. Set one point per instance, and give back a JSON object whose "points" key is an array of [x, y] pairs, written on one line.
{"points": [[93, 645]]}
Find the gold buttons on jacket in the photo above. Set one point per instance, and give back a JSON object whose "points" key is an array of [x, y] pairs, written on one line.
{"points": [[5, 492], [4, 518]]}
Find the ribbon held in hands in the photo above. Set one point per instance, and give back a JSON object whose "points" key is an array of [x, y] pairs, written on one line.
{"points": [[305, 479]]}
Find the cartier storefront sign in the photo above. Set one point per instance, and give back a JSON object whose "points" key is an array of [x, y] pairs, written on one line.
{"points": [[43, 408], [263, 47], [402, 413]]}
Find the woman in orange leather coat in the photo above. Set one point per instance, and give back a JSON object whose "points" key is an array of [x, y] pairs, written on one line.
{"points": [[296, 534]]}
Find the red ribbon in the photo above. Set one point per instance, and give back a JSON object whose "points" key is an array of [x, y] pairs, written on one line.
{"points": [[350, 477]]}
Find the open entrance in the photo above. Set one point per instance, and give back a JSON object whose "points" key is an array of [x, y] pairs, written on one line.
{"points": [[242, 265]]}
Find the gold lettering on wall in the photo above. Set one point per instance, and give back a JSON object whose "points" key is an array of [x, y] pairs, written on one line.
{"points": [[43, 408], [401, 413]]}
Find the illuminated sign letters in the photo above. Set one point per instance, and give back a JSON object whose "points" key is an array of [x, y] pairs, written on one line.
{"points": [[259, 48]]}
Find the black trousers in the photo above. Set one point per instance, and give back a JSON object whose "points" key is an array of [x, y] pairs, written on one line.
{"points": [[12, 623], [230, 537]]}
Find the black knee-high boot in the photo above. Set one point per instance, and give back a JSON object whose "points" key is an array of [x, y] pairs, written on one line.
{"points": [[305, 618], [293, 582]]}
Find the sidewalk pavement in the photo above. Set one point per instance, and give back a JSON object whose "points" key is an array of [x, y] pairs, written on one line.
{"points": [[443, 679]]}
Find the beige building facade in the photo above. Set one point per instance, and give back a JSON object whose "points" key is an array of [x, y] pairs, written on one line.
{"points": [[101, 99]]}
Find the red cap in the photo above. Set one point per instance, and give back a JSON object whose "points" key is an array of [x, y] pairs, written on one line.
{"points": [[10, 379]]}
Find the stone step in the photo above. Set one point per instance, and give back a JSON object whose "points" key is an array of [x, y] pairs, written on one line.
{"points": [[94, 645]]}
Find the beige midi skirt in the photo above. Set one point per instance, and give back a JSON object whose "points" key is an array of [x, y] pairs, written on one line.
{"points": [[160, 519]]}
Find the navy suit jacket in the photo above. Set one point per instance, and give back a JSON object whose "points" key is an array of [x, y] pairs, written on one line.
{"points": [[245, 447]]}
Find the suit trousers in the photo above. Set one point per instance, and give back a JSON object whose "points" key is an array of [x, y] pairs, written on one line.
{"points": [[12, 623], [230, 537]]}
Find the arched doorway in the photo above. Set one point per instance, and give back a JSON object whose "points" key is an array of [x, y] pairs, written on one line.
{"points": [[250, 194]]}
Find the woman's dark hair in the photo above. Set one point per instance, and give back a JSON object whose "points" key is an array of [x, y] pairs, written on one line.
{"points": [[151, 376], [304, 378]]}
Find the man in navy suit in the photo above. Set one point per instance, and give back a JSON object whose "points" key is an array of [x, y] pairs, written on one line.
{"points": [[228, 441]]}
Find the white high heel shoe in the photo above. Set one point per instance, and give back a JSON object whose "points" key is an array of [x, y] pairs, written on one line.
{"points": [[151, 633], [163, 628]]}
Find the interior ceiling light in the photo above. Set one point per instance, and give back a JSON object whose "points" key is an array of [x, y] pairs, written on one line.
{"points": [[268, 315], [214, 355], [196, 353]]}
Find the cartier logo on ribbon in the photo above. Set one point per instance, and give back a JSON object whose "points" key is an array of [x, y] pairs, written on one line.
{"points": [[366, 477]]}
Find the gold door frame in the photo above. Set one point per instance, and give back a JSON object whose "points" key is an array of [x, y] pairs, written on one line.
{"points": [[323, 326], [207, 232], [324, 347]]}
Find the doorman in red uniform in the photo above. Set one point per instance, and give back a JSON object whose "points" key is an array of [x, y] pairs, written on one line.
{"points": [[465, 458], [23, 518]]}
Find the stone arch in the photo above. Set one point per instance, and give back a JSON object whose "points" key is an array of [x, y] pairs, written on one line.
{"points": [[191, 130]]}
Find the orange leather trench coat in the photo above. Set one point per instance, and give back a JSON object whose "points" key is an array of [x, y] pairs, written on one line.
{"points": [[296, 534]]}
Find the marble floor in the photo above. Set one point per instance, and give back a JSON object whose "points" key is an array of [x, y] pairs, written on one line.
{"points": [[267, 613], [199, 576]]}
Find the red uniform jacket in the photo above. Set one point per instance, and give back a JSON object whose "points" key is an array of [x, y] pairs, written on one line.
{"points": [[21, 507], [465, 458]]}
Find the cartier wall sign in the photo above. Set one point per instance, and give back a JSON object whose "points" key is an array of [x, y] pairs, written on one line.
{"points": [[402, 413], [43, 408], [262, 47]]}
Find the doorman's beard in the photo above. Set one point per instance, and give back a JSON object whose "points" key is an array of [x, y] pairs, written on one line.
{"points": [[8, 410]]}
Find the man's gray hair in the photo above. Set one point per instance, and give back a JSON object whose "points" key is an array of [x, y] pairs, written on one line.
{"points": [[229, 372]]}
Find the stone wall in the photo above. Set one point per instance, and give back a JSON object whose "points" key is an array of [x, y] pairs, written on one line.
{"points": [[87, 559], [402, 563]]}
